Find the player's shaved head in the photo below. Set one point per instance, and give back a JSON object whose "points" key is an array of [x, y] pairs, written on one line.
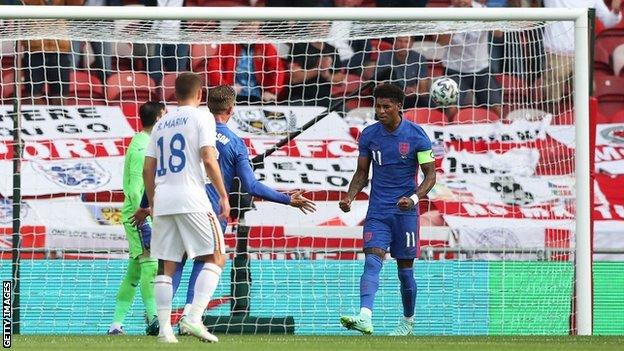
{"points": [[220, 99], [389, 91], [186, 85]]}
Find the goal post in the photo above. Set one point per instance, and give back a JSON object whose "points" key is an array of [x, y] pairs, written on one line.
{"points": [[583, 264], [97, 24]]}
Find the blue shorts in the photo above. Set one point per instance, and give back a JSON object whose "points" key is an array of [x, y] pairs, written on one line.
{"points": [[397, 233]]}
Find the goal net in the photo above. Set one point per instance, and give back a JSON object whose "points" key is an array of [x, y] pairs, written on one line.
{"points": [[497, 233]]}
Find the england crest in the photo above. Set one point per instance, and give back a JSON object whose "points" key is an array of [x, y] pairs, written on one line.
{"points": [[6, 211], [82, 175], [404, 149]]}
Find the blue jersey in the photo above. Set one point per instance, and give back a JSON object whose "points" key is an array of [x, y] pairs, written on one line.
{"points": [[395, 157], [234, 162]]}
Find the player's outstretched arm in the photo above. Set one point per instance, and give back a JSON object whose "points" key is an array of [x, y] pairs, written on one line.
{"points": [[255, 188], [297, 200], [358, 182], [149, 174], [209, 157]]}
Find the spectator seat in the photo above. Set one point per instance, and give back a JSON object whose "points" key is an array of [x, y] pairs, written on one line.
{"points": [[475, 115], [127, 86], [423, 115], [610, 95]]}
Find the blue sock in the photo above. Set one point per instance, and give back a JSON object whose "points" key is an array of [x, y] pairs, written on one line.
{"points": [[408, 291], [369, 282], [177, 276], [197, 268]]}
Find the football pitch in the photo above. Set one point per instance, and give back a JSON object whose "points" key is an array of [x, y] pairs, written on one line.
{"points": [[321, 343]]}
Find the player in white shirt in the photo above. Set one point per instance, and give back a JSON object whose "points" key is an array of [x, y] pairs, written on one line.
{"points": [[180, 155]]}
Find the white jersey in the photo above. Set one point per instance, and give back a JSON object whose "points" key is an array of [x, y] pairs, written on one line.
{"points": [[175, 143]]}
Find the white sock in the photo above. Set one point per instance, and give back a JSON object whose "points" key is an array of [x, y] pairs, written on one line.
{"points": [[187, 309], [409, 319], [163, 291], [205, 286], [365, 311], [114, 326]]}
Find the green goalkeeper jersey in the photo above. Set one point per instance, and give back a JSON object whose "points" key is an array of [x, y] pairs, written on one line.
{"points": [[133, 174]]}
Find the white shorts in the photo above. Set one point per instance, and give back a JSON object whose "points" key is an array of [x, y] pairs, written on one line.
{"points": [[195, 234]]}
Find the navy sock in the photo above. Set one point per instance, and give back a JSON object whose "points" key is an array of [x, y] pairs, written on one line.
{"points": [[369, 282], [197, 268], [408, 290]]}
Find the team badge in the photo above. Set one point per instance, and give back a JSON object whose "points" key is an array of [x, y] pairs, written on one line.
{"points": [[404, 149], [259, 121], [75, 175], [368, 236]]}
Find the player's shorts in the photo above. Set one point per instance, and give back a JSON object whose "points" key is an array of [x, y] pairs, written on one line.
{"points": [[396, 233], [195, 234], [135, 244]]}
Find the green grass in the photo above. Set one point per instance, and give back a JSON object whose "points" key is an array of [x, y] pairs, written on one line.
{"points": [[321, 343]]}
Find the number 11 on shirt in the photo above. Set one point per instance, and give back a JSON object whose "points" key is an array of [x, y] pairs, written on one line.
{"points": [[376, 156], [410, 239]]}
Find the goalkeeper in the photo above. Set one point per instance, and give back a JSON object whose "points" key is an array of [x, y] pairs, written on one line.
{"points": [[141, 268]]}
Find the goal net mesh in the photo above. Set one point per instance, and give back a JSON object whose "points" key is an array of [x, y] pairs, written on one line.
{"points": [[496, 234]]}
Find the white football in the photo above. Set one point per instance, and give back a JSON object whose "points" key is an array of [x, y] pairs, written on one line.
{"points": [[444, 91]]}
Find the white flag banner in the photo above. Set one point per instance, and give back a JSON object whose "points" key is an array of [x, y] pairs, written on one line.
{"points": [[291, 173], [505, 190], [327, 214], [99, 238], [564, 134], [65, 122], [510, 239], [277, 122], [66, 149], [517, 162], [318, 149], [519, 131], [60, 149], [608, 235], [73, 176], [322, 158], [72, 225]]}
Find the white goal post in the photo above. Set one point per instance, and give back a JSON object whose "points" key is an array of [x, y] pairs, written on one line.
{"points": [[583, 230]]}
